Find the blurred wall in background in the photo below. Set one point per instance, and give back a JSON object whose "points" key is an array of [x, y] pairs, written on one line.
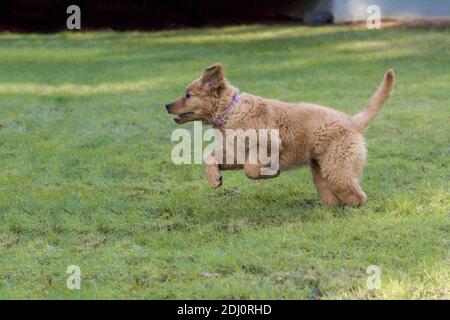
{"points": [[355, 10]]}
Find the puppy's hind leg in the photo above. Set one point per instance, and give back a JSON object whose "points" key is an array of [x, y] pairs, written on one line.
{"points": [[255, 171], [341, 166], [349, 191], [322, 187]]}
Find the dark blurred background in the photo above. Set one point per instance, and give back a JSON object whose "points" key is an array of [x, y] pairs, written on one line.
{"points": [[50, 15]]}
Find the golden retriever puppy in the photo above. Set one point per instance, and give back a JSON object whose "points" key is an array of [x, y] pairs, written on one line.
{"points": [[327, 140]]}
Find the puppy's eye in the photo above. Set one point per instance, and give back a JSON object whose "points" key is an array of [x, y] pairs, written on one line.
{"points": [[188, 95]]}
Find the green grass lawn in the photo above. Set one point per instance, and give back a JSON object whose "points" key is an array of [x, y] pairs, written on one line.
{"points": [[86, 176]]}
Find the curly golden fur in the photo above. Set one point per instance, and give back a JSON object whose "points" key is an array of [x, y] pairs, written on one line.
{"points": [[327, 140]]}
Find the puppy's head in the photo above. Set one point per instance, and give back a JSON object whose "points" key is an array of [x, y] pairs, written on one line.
{"points": [[201, 96]]}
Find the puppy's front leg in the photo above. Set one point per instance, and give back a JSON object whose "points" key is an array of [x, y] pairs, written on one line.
{"points": [[212, 170], [213, 167]]}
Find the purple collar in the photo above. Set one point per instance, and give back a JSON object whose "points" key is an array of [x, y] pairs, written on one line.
{"points": [[220, 117]]}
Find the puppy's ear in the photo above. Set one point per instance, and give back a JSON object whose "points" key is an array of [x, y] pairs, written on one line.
{"points": [[213, 77]]}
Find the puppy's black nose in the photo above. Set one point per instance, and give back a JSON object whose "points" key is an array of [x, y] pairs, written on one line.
{"points": [[168, 106]]}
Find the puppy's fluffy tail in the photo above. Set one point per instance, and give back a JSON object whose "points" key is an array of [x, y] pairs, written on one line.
{"points": [[362, 119]]}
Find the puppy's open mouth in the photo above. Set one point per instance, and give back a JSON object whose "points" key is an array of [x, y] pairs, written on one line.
{"points": [[182, 117]]}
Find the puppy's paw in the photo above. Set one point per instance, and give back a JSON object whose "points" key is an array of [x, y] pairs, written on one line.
{"points": [[330, 201], [215, 182], [214, 178]]}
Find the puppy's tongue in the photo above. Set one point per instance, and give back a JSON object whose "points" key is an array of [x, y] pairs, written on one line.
{"points": [[183, 114], [178, 117]]}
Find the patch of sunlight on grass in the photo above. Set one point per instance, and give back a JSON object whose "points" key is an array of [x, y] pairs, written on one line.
{"points": [[434, 284], [43, 54], [223, 37], [288, 64], [75, 89], [63, 35], [384, 54], [358, 45]]}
